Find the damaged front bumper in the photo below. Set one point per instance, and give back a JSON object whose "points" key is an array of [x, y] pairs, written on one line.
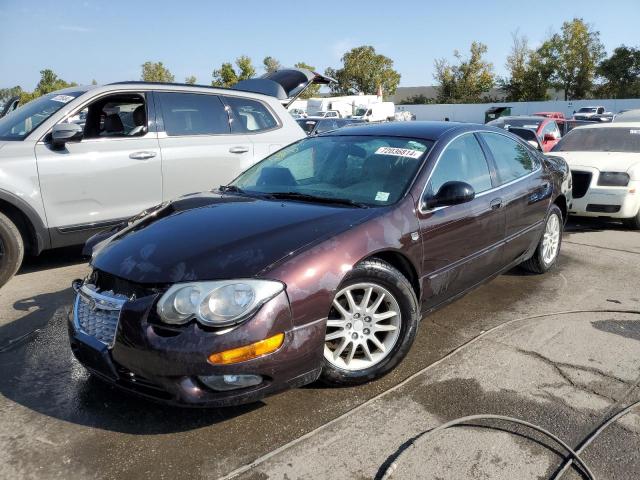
{"points": [[170, 363]]}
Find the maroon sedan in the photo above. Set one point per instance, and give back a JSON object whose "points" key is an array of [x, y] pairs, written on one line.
{"points": [[317, 262]]}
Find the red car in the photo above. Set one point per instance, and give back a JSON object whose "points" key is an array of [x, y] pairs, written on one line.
{"points": [[546, 129]]}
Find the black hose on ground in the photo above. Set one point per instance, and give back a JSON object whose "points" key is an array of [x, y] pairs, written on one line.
{"points": [[574, 458]]}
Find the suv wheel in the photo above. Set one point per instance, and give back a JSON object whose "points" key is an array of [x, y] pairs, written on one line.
{"points": [[11, 249], [371, 325], [546, 255]]}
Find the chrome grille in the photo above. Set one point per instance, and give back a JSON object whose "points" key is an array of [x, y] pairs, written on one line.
{"points": [[97, 313]]}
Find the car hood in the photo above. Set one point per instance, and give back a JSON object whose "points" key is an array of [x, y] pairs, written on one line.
{"points": [[217, 236], [603, 161]]}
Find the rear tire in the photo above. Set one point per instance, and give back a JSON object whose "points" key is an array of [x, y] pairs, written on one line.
{"points": [[633, 222], [11, 249], [364, 340], [548, 249]]}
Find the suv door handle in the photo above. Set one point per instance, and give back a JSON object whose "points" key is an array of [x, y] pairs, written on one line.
{"points": [[238, 149], [142, 155], [496, 203]]}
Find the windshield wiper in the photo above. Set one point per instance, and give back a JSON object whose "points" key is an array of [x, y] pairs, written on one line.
{"points": [[315, 198], [230, 188]]}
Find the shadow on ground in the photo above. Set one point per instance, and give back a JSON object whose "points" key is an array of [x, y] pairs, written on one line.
{"points": [[38, 371]]}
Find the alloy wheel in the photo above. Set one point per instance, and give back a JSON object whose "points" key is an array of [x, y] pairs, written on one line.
{"points": [[551, 239], [363, 326]]}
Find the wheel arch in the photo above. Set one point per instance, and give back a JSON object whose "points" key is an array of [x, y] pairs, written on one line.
{"points": [[33, 231], [561, 202], [401, 263]]}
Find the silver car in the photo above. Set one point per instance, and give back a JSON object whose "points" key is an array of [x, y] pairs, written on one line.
{"points": [[85, 158]]}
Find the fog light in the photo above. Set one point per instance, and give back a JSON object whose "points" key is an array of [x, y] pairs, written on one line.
{"points": [[223, 383], [248, 352]]}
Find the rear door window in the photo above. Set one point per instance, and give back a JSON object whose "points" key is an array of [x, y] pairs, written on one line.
{"points": [[512, 158], [193, 114], [249, 116]]}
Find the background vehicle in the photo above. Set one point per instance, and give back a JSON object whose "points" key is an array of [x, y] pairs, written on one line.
{"points": [[605, 166], [377, 112], [9, 106], [554, 115], [328, 114], [546, 129], [297, 113], [353, 237], [85, 158], [595, 113], [316, 125], [628, 116]]}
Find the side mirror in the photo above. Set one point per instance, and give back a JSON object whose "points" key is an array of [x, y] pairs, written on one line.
{"points": [[66, 132], [451, 193]]}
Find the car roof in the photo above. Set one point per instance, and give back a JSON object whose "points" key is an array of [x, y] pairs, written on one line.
{"points": [[633, 125], [533, 118], [417, 129]]}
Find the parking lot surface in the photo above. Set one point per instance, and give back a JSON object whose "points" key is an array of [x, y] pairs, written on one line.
{"points": [[565, 358]]}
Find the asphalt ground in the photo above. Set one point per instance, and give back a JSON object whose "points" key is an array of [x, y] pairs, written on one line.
{"points": [[57, 422]]}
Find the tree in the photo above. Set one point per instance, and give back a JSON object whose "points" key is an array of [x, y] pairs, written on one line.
{"points": [[271, 64], [620, 73], [529, 75], [227, 76], [312, 90], [156, 72], [191, 80], [8, 93], [419, 99], [575, 53], [364, 71], [467, 81], [49, 82]]}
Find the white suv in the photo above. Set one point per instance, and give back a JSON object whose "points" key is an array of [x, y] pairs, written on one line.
{"points": [[85, 158]]}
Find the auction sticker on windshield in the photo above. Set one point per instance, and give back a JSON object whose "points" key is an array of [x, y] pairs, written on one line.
{"points": [[62, 98], [399, 152]]}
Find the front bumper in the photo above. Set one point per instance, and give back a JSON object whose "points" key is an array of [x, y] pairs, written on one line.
{"points": [[599, 201], [162, 362]]}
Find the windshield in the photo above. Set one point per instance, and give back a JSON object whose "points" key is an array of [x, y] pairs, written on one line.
{"points": [[19, 123], [517, 122], [360, 111], [600, 140], [374, 171], [588, 110]]}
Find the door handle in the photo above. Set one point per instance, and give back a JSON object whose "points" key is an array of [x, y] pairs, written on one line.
{"points": [[496, 203], [239, 149], [142, 155]]}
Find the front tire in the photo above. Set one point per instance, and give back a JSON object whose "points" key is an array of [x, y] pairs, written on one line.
{"points": [[371, 325], [11, 249], [633, 222], [546, 255]]}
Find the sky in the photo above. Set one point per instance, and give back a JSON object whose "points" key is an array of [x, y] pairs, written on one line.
{"points": [[108, 40]]}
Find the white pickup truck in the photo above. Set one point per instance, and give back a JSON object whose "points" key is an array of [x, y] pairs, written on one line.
{"points": [[596, 113]]}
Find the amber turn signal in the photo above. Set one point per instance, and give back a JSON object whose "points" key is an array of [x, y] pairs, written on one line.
{"points": [[242, 354]]}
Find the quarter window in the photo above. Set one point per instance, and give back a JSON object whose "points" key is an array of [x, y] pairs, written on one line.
{"points": [[512, 159], [462, 161], [193, 114], [249, 116]]}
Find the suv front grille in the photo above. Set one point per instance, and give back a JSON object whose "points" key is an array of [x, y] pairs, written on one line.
{"points": [[581, 182]]}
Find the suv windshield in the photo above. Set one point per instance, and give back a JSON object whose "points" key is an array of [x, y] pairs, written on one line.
{"points": [[19, 123], [600, 140], [373, 171]]}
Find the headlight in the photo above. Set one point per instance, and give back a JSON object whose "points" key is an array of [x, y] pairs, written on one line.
{"points": [[216, 304], [613, 179]]}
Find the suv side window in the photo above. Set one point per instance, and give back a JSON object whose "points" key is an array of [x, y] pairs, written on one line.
{"points": [[193, 114], [512, 158], [249, 116], [117, 115], [463, 160]]}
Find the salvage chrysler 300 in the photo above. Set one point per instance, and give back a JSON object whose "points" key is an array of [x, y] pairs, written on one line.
{"points": [[317, 262]]}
